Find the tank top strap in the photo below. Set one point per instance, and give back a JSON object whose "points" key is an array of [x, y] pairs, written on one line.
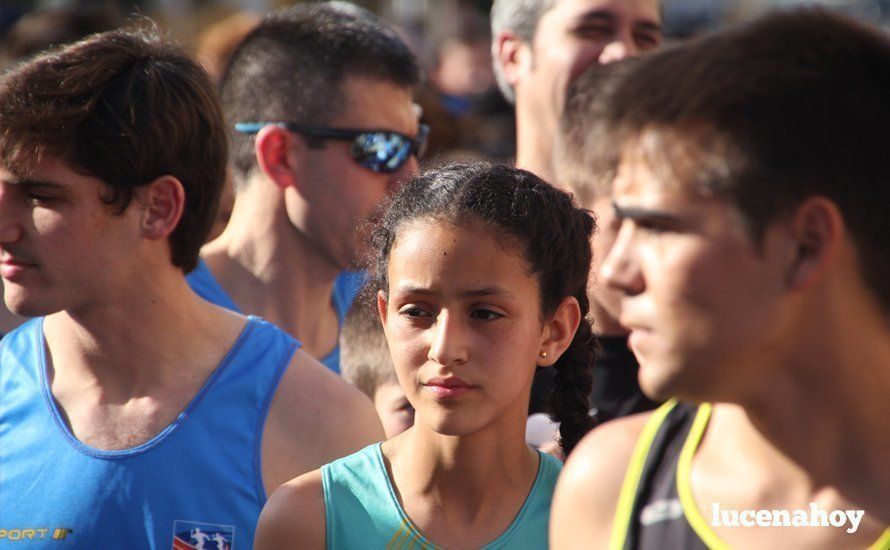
{"points": [[649, 493]]}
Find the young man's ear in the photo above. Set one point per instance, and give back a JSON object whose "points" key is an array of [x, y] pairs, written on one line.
{"points": [[818, 229], [274, 150], [559, 331], [512, 54], [163, 202], [381, 306]]}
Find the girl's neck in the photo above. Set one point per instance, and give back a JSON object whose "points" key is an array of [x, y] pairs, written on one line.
{"points": [[460, 488], [469, 468]]}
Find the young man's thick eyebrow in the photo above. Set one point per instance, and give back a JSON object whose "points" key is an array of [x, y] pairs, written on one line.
{"points": [[33, 183]]}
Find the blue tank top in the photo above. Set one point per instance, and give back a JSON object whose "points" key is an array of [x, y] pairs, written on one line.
{"points": [[362, 511], [346, 288], [198, 481]]}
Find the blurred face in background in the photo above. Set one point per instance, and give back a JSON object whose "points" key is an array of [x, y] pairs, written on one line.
{"points": [[392, 406], [574, 35]]}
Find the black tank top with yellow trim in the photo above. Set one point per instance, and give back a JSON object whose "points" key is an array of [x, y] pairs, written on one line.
{"points": [[656, 509]]}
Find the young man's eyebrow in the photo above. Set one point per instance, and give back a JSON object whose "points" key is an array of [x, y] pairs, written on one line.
{"points": [[33, 182]]}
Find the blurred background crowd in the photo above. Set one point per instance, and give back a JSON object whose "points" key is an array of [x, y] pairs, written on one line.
{"points": [[468, 116]]}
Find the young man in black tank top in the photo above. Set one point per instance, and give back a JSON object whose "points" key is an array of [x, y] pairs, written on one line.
{"points": [[751, 189]]}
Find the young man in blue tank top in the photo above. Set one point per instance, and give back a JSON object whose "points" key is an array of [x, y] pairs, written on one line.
{"points": [[319, 99], [132, 409], [752, 259]]}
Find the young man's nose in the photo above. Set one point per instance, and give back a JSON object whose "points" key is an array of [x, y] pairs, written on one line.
{"points": [[10, 225], [619, 269]]}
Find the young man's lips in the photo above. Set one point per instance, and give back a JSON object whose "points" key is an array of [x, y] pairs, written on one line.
{"points": [[637, 338], [10, 269]]}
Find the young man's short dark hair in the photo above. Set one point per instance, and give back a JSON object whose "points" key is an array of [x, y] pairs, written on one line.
{"points": [[585, 156], [127, 108], [291, 67], [805, 105]]}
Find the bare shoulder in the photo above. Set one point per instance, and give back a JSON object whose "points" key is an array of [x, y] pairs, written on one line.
{"points": [[315, 417], [590, 484], [294, 516]]}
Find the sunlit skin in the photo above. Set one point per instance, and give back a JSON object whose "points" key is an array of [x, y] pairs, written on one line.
{"points": [[464, 325], [300, 219], [128, 344], [762, 329], [458, 309], [605, 301], [334, 198], [696, 292], [395, 411], [569, 38], [463, 320], [50, 220]]}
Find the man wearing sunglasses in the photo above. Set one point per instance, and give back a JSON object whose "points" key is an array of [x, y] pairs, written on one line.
{"points": [[323, 128]]}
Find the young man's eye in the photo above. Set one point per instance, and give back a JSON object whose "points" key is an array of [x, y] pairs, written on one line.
{"points": [[36, 199], [485, 314], [413, 311]]}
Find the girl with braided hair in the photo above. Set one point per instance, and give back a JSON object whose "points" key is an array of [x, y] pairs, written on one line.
{"points": [[480, 276]]}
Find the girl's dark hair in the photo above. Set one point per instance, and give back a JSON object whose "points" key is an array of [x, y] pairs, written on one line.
{"points": [[553, 235]]}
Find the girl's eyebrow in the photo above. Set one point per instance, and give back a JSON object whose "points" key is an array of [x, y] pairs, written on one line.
{"points": [[485, 291]]}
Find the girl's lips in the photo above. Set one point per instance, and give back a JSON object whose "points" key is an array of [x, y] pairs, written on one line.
{"points": [[448, 388]]}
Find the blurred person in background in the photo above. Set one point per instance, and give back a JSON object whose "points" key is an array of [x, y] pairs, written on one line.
{"points": [[467, 115], [366, 364], [540, 46], [41, 29], [214, 49], [319, 104]]}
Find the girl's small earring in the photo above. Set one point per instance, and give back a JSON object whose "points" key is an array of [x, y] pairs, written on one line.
{"points": [[543, 355]]}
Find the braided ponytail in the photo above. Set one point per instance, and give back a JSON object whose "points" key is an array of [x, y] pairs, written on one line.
{"points": [[569, 403]]}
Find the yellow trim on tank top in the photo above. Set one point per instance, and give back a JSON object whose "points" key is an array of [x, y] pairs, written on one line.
{"points": [[628, 493], [684, 488]]}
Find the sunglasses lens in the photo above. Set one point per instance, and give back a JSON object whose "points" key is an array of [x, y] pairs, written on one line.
{"points": [[381, 151]]}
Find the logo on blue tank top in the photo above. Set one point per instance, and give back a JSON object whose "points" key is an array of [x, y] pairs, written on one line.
{"points": [[196, 535]]}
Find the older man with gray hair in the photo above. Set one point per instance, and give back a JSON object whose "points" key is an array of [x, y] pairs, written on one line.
{"points": [[540, 46]]}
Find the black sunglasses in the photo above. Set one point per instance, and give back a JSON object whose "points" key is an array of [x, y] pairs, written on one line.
{"points": [[381, 151]]}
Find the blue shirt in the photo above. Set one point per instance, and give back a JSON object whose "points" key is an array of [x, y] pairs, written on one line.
{"points": [[198, 480], [346, 288], [362, 511]]}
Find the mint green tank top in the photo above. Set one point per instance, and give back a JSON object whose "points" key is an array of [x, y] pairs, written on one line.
{"points": [[362, 511]]}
